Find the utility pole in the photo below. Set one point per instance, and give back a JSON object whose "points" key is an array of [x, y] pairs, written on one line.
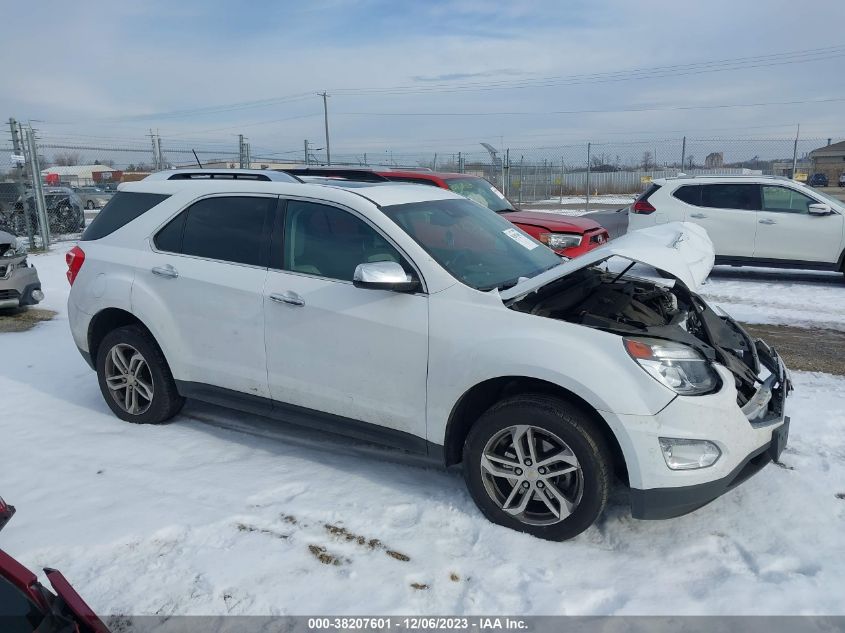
{"points": [[158, 151], [683, 152], [37, 190], [589, 147], [156, 166], [795, 151], [326, 122], [17, 149], [307, 163]]}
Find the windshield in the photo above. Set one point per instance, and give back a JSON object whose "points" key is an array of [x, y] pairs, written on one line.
{"points": [[480, 191], [476, 246]]}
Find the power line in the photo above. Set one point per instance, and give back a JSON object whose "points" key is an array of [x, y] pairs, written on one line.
{"points": [[729, 64], [599, 111]]}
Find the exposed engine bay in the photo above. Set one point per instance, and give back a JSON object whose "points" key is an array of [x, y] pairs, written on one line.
{"points": [[631, 306]]}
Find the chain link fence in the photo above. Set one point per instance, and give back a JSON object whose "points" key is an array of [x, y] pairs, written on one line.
{"points": [[51, 185]]}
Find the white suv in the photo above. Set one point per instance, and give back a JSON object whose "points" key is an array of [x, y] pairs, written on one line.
{"points": [[412, 317], [752, 220]]}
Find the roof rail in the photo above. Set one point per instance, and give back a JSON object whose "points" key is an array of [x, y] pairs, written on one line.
{"points": [[201, 173], [706, 176]]}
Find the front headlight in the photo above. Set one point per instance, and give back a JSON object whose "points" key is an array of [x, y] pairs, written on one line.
{"points": [[560, 240], [677, 366], [16, 251]]}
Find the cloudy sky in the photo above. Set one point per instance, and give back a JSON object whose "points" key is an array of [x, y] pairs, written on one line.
{"points": [[422, 76]]}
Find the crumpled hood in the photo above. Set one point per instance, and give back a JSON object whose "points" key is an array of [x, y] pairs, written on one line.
{"points": [[680, 249], [553, 221]]}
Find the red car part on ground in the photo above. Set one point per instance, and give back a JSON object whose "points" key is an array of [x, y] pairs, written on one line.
{"points": [[568, 236], [27, 605]]}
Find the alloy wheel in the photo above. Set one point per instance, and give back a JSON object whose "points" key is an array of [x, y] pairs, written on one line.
{"points": [[532, 474], [129, 379]]}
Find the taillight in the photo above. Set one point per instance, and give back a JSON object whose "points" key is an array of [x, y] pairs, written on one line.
{"points": [[643, 206], [75, 258]]}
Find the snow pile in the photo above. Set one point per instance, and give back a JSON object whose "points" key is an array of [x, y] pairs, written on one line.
{"points": [[222, 513]]}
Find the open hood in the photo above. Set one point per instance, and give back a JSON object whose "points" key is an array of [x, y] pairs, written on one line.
{"points": [[680, 249]]}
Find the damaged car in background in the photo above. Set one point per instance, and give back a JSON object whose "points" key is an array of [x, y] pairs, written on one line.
{"points": [[19, 283]]}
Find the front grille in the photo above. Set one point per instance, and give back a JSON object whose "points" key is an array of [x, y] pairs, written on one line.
{"points": [[9, 294]]}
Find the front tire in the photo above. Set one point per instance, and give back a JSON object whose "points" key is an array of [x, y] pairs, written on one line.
{"points": [[134, 377], [537, 464]]}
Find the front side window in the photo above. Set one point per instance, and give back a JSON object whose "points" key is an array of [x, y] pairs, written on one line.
{"points": [[329, 242], [229, 228], [731, 196], [785, 199], [476, 246], [480, 191]]}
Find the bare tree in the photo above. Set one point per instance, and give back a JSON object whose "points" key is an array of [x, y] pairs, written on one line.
{"points": [[67, 158], [648, 161]]}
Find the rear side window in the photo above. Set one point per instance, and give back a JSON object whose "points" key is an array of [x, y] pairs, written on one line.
{"points": [[731, 196], [228, 228], [691, 194], [123, 207]]}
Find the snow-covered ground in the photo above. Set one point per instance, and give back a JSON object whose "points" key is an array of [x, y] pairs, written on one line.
{"points": [[605, 198], [221, 513], [779, 297]]}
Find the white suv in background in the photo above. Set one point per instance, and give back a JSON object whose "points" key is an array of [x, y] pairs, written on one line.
{"points": [[752, 220], [413, 317]]}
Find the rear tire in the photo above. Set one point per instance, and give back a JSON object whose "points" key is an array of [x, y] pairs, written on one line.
{"points": [[134, 377], [554, 495]]}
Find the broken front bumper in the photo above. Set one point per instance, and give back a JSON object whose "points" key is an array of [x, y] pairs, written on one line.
{"points": [[748, 441]]}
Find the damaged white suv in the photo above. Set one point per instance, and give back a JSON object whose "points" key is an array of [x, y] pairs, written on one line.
{"points": [[412, 317]]}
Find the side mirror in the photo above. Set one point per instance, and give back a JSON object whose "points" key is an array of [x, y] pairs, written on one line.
{"points": [[384, 276], [818, 209]]}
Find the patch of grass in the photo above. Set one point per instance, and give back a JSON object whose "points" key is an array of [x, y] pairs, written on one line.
{"points": [[454, 577], [23, 319], [419, 586]]}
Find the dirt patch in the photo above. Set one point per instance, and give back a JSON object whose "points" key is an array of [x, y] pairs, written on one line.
{"points": [[243, 527], [23, 319], [419, 586], [370, 543], [454, 577], [322, 555], [804, 349], [840, 495]]}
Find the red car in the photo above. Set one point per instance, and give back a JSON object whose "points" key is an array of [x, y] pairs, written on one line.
{"points": [[29, 607], [567, 236]]}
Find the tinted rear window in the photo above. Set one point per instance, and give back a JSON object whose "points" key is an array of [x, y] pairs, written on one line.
{"points": [[232, 229], [691, 194], [731, 196], [123, 207]]}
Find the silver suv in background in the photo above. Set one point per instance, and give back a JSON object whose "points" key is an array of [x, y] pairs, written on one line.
{"points": [[93, 197], [19, 283]]}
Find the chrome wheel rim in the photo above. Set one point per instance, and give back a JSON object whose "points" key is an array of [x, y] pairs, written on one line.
{"points": [[129, 379], [532, 475]]}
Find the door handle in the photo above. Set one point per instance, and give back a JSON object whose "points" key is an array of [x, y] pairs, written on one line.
{"points": [[167, 271], [289, 297], [768, 221], [698, 215]]}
